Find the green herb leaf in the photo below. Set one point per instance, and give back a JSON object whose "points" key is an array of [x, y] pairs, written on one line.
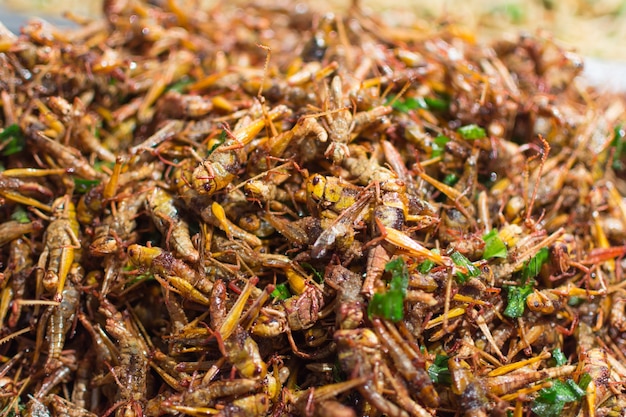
{"points": [[559, 357], [471, 132], [439, 372], [437, 103], [426, 266], [399, 276], [82, 186], [439, 145], [532, 268], [20, 215], [390, 305], [516, 300], [450, 179], [584, 381], [13, 140], [550, 401], [281, 292], [576, 391], [494, 246], [462, 261], [406, 105], [219, 142], [544, 408]]}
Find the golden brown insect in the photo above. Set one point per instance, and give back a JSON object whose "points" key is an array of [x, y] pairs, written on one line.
{"points": [[133, 368], [60, 242], [177, 273], [240, 349], [339, 122], [63, 316], [170, 223], [217, 170]]}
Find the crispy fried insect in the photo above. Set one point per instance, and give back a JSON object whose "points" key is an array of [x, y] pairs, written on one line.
{"points": [[186, 280], [60, 242], [63, 316], [168, 220], [131, 374], [217, 170], [239, 348]]}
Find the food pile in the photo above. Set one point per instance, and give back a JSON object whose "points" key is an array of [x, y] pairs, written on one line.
{"points": [[262, 210]]}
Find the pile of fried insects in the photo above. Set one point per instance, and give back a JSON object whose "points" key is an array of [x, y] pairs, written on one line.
{"points": [[268, 211]]}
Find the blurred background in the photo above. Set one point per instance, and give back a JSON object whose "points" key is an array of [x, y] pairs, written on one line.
{"points": [[594, 28]]}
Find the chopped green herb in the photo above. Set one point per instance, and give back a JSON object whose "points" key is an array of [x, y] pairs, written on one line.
{"points": [[559, 357], [20, 215], [83, 185], [406, 105], [471, 132], [390, 304], [439, 145], [219, 142], [436, 103], [426, 103], [450, 179], [462, 261], [584, 381], [494, 246], [399, 275], [516, 299], [12, 139], [532, 268], [426, 266], [180, 85], [281, 292], [439, 372], [550, 401]]}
